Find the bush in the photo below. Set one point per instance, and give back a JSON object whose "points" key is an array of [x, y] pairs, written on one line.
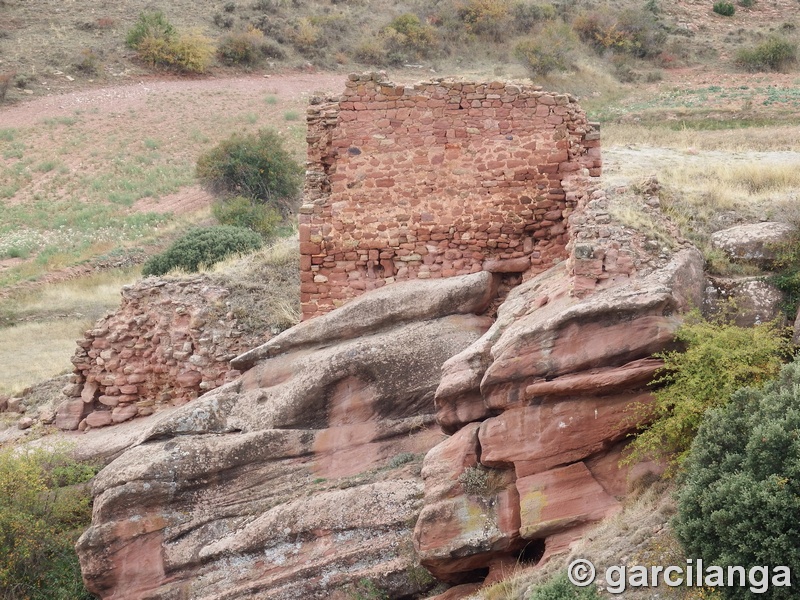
{"points": [[634, 32], [527, 15], [43, 510], [158, 44], [726, 9], [242, 48], [5, 83], [256, 166], [550, 50], [413, 35], [719, 359], [747, 3], [248, 214], [775, 54], [150, 25], [560, 588], [486, 18], [741, 491], [787, 275], [203, 247]]}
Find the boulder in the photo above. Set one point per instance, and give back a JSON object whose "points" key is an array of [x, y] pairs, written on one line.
{"points": [[400, 303], [754, 243], [70, 413], [754, 300], [299, 479]]}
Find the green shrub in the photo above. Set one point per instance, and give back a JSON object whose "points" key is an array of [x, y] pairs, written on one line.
{"points": [[560, 588], [635, 32], [726, 9], [150, 25], [43, 510], [244, 212], [550, 50], [740, 497], [203, 247], [775, 54], [746, 3], [719, 358], [242, 48], [787, 275], [158, 44], [486, 18], [527, 15], [256, 166]]}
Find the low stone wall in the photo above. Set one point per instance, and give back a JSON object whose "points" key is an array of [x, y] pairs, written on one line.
{"points": [[438, 179], [168, 342]]}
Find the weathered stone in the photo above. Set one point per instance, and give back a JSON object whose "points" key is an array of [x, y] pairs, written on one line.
{"points": [[123, 413], [754, 300], [189, 379], [508, 265], [755, 243], [400, 303], [25, 423], [541, 437], [99, 418], [561, 499], [69, 414]]}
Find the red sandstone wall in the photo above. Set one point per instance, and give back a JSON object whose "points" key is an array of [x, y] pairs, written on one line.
{"points": [[437, 179]]}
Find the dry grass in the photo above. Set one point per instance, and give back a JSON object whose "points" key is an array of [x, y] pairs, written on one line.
{"points": [[760, 139], [32, 352]]}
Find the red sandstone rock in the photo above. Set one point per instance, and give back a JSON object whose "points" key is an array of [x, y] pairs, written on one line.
{"points": [[70, 414], [99, 418], [556, 501], [628, 376], [539, 438], [123, 413], [508, 265], [189, 379]]}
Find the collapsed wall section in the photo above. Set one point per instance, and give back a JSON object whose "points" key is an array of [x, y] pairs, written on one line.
{"points": [[438, 179]]}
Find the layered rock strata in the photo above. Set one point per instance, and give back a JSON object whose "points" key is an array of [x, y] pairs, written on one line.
{"points": [[301, 478]]}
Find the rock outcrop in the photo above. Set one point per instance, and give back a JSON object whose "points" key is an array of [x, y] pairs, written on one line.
{"points": [[755, 243], [298, 480], [537, 407]]}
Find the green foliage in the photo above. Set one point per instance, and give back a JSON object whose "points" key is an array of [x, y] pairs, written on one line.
{"points": [[741, 490], [486, 18], [150, 25], [719, 358], [746, 3], [634, 32], [560, 588], [548, 51], [787, 275], [203, 247], [366, 589], [726, 9], [403, 40], [256, 166], [158, 44], [248, 214], [43, 510], [526, 15], [242, 48], [775, 54]]}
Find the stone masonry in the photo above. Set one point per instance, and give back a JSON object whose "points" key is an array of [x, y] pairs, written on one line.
{"points": [[170, 341], [438, 179]]}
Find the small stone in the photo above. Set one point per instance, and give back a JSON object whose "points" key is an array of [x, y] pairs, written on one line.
{"points": [[25, 423]]}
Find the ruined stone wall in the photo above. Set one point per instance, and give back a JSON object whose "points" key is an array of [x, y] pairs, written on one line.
{"points": [[438, 179], [169, 342]]}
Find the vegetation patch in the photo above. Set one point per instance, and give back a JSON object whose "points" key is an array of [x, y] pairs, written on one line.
{"points": [[44, 507], [719, 358], [741, 489], [204, 246]]}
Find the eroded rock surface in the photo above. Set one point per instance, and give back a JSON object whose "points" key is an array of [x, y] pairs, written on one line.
{"points": [[298, 480], [755, 243], [539, 405]]}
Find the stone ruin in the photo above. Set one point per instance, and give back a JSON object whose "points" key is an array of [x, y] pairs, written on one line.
{"points": [[438, 179]]}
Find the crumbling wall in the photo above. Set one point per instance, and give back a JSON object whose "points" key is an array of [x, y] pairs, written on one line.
{"points": [[438, 179], [170, 341]]}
